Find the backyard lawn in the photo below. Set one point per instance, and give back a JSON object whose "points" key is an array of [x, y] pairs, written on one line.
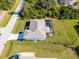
{"points": [[52, 47], [60, 35], [71, 30]]}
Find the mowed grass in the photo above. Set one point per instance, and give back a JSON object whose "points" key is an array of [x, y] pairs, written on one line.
{"points": [[7, 16], [60, 35], [15, 5], [53, 46], [5, 20], [19, 26], [69, 26], [41, 49]]}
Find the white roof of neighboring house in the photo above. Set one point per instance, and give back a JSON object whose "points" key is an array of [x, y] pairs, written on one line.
{"points": [[28, 55], [36, 30], [69, 2]]}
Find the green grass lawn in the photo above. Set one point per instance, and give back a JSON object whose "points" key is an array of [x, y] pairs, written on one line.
{"points": [[45, 48], [5, 20], [69, 26], [15, 5], [60, 35], [19, 26], [8, 15], [41, 49]]}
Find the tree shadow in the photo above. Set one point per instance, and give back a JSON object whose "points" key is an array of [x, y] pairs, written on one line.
{"points": [[20, 13], [11, 13], [77, 51], [76, 27], [27, 25]]}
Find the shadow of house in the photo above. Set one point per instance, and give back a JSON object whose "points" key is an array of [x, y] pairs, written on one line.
{"points": [[21, 34], [27, 25]]}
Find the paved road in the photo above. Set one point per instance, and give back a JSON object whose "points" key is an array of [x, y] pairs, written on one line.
{"points": [[8, 29]]}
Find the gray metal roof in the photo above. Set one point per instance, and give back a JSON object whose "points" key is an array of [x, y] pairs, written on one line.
{"points": [[36, 31]]}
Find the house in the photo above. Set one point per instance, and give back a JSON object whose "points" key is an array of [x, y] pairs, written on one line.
{"points": [[27, 55], [37, 30], [67, 2], [24, 55]]}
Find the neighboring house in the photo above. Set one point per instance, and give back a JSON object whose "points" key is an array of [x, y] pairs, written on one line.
{"points": [[67, 2], [37, 30], [24, 55], [27, 55]]}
